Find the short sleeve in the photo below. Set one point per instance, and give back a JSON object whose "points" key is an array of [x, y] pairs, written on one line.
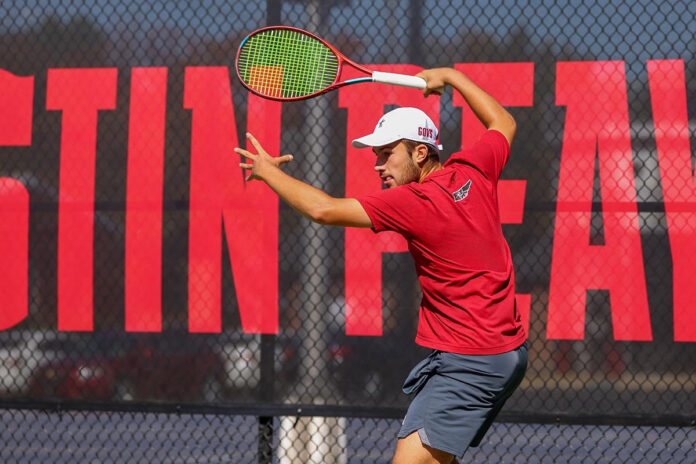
{"points": [[392, 209], [489, 154]]}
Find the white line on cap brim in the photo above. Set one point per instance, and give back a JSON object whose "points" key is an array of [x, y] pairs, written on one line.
{"points": [[372, 141]]}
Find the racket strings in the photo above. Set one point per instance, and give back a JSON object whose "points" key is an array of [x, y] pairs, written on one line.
{"points": [[283, 63]]}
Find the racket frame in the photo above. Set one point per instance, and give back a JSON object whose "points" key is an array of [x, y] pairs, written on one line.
{"points": [[342, 60]]}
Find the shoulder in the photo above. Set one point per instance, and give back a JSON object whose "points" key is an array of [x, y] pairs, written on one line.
{"points": [[489, 154], [495, 139], [490, 140]]}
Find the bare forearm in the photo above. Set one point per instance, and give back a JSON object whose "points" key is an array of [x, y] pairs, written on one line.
{"points": [[309, 201], [303, 198]]}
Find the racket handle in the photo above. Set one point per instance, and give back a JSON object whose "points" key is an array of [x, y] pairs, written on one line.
{"points": [[398, 79]]}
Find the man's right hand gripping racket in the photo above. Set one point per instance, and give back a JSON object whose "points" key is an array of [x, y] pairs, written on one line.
{"points": [[285, 64]]}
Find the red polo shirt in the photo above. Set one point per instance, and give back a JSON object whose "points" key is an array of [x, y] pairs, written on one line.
{"points": [[452, 225]]}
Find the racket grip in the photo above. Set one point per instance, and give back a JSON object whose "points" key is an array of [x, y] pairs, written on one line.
{"points": [[398, 79]]}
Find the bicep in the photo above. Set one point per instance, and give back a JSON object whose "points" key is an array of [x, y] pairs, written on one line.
{"points": [[346, 212]]}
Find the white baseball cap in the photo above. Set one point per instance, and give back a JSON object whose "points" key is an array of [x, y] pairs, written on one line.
{"points": [[401, 123]]}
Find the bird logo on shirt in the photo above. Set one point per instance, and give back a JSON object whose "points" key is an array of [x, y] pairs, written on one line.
{"points": [[462, 192]]}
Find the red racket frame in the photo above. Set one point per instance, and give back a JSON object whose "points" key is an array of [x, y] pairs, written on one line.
{"points": [[342, 60]]}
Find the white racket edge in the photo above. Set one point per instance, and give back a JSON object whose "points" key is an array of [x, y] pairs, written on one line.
{"points": [[403, 80]]}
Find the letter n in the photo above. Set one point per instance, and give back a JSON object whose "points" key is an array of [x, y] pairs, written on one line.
{"points": [[219, 195]]}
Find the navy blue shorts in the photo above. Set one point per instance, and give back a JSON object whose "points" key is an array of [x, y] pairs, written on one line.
{"points": [[457, 396]]}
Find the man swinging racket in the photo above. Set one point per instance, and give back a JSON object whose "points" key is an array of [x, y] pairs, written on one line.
{"points": [[448, 214]]}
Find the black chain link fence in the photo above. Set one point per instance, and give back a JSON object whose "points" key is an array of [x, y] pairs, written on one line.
{"points": [[139, 270]]}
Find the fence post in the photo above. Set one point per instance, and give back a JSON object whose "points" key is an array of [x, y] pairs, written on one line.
{"points": [[267, 383], [265, 444]]}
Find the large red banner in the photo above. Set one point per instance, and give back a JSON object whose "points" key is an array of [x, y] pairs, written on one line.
{"points": [[596, 137]]}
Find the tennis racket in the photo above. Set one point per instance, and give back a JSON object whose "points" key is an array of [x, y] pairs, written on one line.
{"points": [[285, 64]]}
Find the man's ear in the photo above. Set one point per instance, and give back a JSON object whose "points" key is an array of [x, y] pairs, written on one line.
{"points": [[421, 153]]}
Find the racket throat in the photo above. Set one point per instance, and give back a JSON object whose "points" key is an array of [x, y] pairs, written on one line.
{"points": [[358, 80]]}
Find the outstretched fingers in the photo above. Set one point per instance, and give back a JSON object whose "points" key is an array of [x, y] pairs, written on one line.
{"points": [[247, 165], [245, 153], [259, 162], [284, 159], [255, 142]]}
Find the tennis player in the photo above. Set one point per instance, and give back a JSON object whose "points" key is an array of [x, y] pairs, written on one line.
{"points": [[448, 213]]}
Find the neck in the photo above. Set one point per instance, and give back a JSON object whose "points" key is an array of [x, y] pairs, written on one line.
{"points": [[428, 168]]}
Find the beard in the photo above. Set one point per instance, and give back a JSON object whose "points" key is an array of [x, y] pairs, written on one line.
{"points": [[411, 173]]}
